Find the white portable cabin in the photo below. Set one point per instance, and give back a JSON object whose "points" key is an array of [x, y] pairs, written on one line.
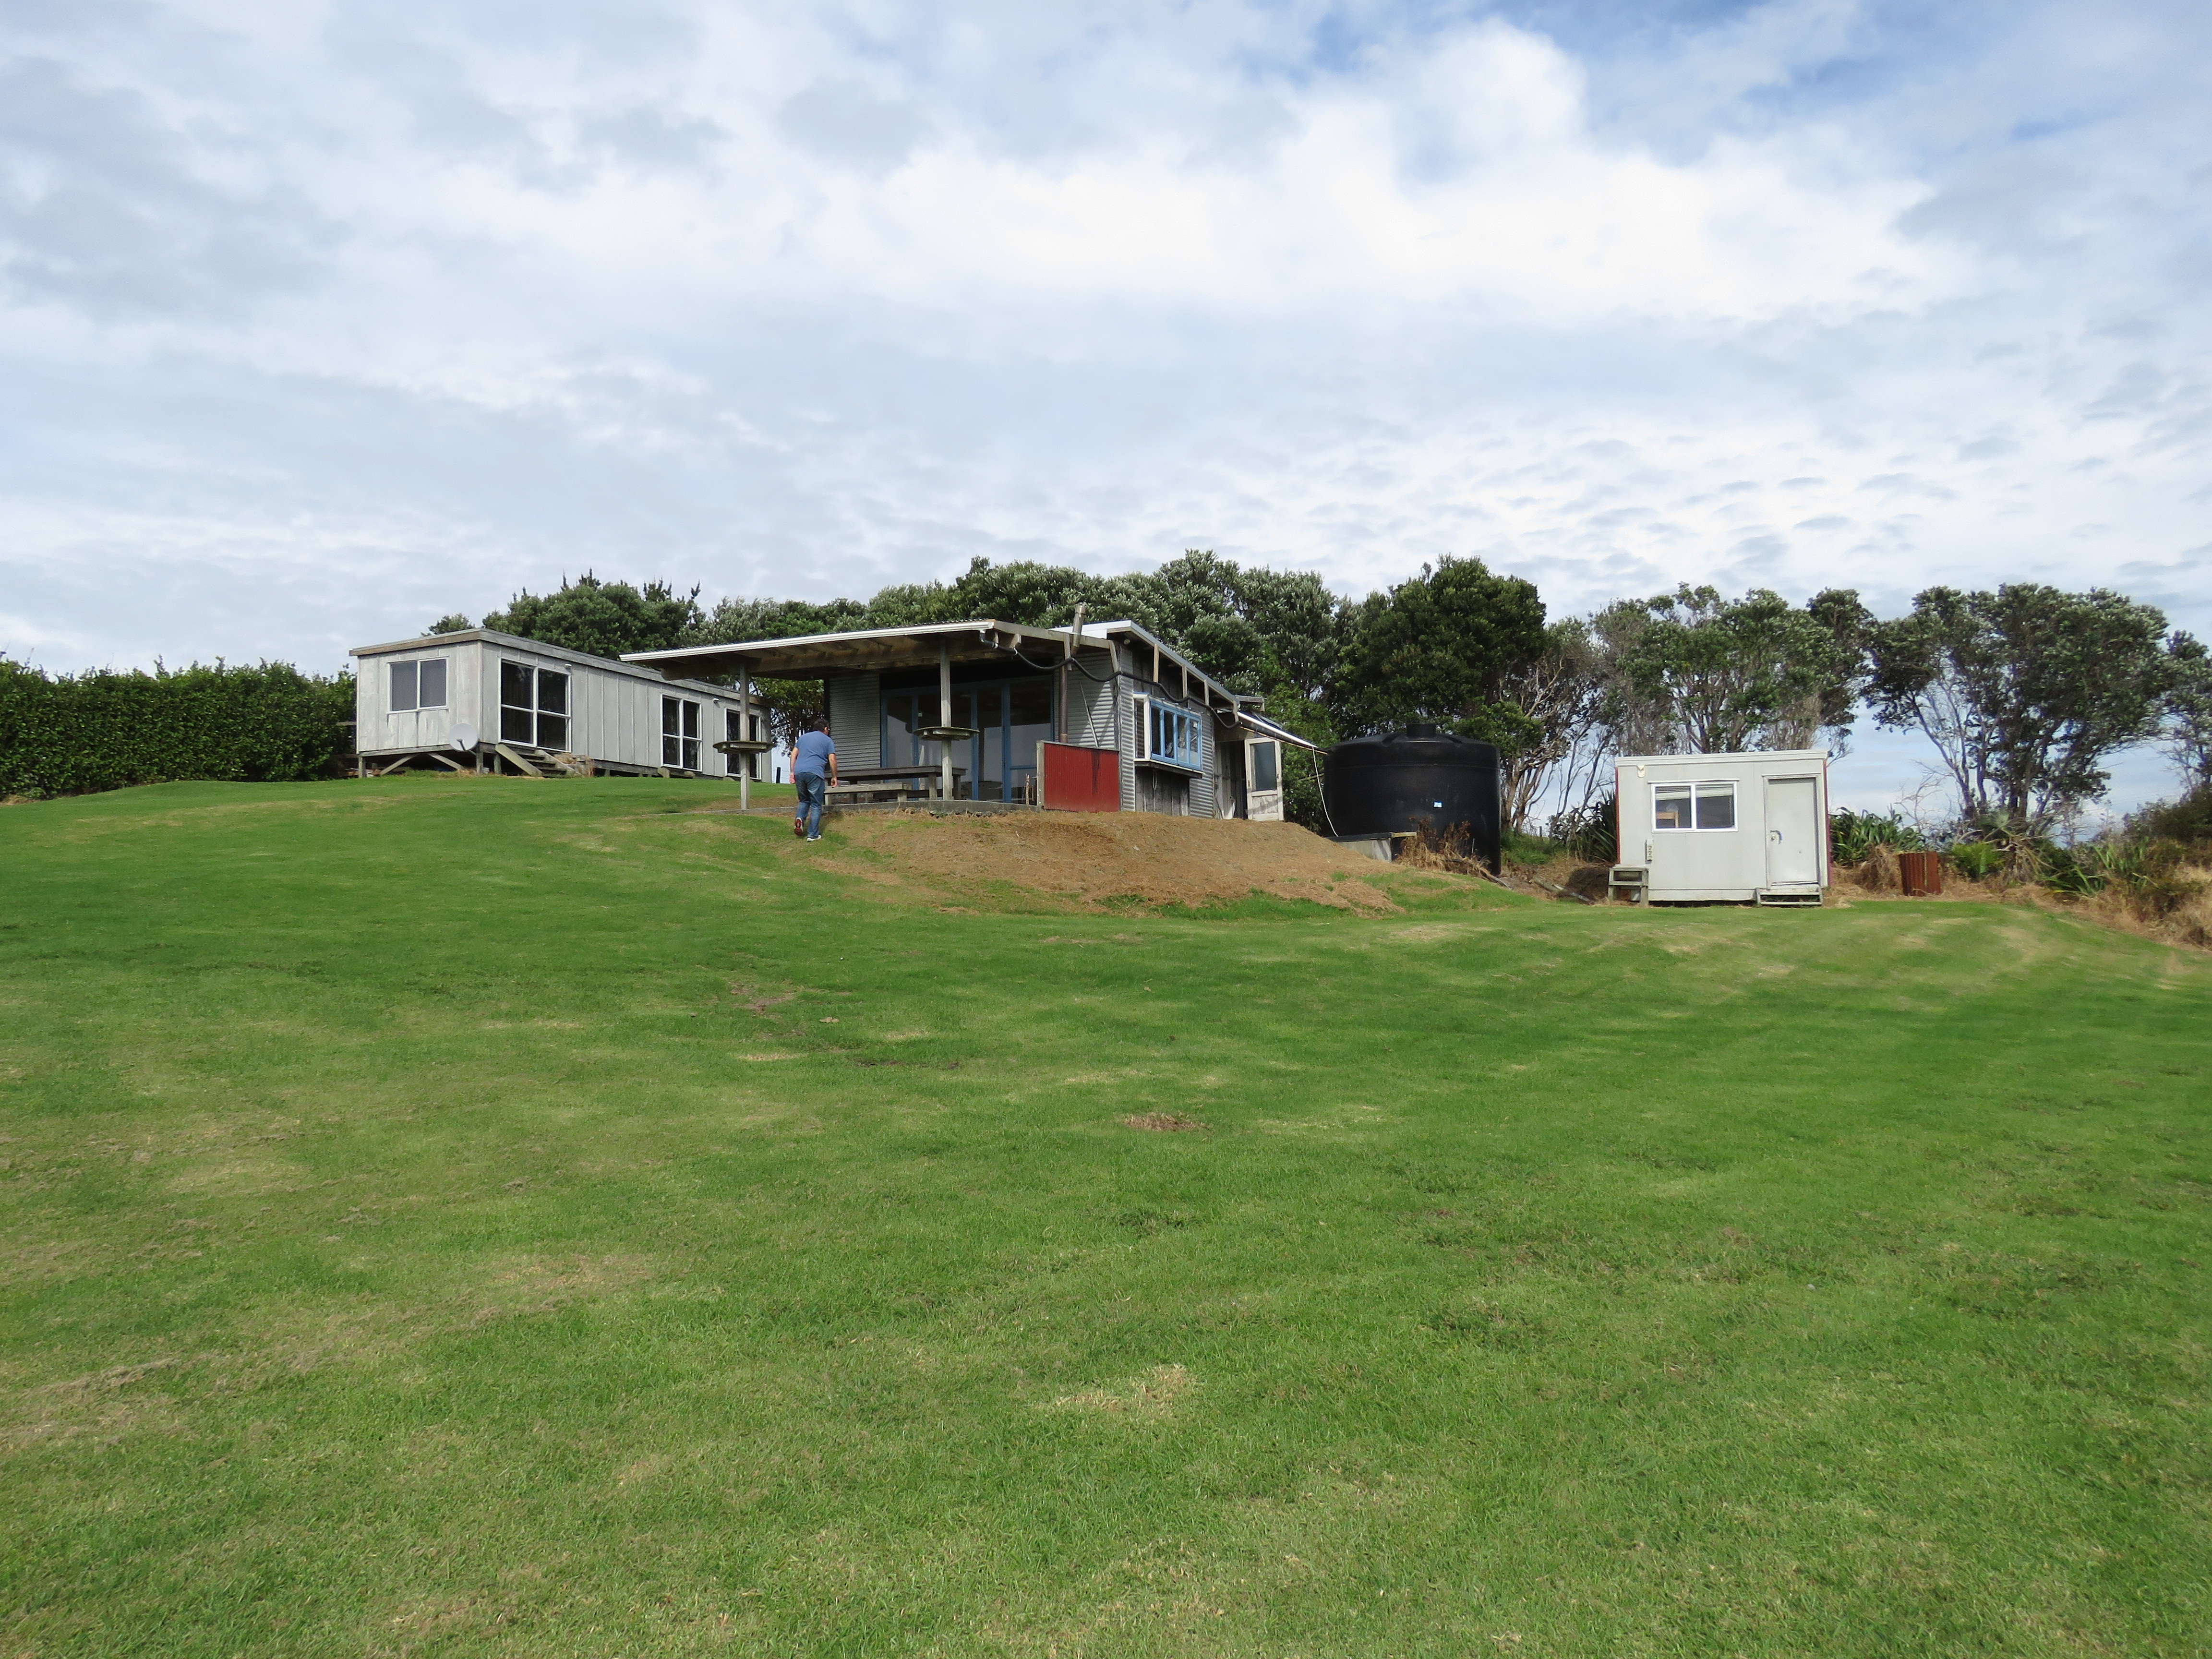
{"points": [[1166, 736], [1718, 829], [481, 701]]}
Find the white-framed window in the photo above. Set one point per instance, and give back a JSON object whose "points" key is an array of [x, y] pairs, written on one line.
{"points": [[1266, 766], [1693, 806], [418, 684], [679, 733], [533, 705], [1168, 736]]}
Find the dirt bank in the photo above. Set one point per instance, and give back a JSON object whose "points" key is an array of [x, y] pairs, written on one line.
{"points": [[1090, 860]]}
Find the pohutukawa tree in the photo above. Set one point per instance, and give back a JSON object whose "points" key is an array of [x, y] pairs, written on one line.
{"points": [[1442, 648], [2024, 692], [603, 619], [1691, 672], [2189, 709]]}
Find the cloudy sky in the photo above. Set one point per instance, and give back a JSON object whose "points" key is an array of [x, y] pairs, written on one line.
{"points": [[319, 320]]}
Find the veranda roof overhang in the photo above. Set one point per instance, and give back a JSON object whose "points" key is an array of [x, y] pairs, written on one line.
{"points": [[811, 656]]}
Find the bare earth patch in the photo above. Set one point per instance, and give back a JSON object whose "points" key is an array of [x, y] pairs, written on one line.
{"points": [[1165, 1123], [1084, 860], [1151, 1396]]}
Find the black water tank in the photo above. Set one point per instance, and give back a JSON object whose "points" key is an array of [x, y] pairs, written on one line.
{"points": [[1387, 786]]}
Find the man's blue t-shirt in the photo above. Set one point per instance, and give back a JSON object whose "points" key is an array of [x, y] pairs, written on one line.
{"points": [[812, 753]]}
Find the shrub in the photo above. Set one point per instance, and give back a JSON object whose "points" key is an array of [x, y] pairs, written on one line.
{"points": [[75, 733], [1978, 858], [2153, 876], [1852, 836], [2187, 821], [1588, 833], [1521, 849]]}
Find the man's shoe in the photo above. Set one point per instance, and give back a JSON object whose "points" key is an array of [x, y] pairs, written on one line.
{"points": [[799, 826], [814, 838]]}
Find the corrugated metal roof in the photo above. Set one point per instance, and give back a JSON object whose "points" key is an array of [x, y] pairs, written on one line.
{"points": [[808, 656], [493, 637]]}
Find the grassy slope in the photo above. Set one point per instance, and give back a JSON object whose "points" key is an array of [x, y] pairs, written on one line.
{"points": [[403, 1253]]}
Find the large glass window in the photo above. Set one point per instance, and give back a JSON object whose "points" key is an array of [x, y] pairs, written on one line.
{"points": [[533, 706], [1693, 806], [1028, 723], [418, 684], [679, 733], [1009, 717]]}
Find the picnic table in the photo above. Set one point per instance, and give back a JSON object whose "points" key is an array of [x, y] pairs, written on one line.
{"points": [[853, 781]]}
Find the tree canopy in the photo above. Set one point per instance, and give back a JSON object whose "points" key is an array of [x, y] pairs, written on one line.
{"points": [[2189, 708], [604, 618], [1693, 670], [2024, 692], [1440, 648]]}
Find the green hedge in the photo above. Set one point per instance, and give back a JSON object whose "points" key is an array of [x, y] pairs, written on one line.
{"points": [[70, 734]]}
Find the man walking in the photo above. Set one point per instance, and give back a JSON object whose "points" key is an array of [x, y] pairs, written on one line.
{"points": [[814, 769]]}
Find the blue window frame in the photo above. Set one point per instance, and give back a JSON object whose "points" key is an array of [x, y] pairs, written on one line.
{"points": [[1174, 738]]}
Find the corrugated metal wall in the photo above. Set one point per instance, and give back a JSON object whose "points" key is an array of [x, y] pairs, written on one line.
{"points": [[856, 718], [614, 715], [1090, 703], [378, 728]]}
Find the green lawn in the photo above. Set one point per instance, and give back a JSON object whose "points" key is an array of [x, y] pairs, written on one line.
{"points": [[506, 1218]]}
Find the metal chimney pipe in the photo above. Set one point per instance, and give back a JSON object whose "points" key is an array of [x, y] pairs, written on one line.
{"points": [[1067, 656]]}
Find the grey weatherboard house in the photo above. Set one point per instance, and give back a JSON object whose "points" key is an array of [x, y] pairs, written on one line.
{"points": [[484, 701], [974, 704]]}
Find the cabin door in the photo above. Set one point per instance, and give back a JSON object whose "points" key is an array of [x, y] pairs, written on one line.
{"points": [[1793, 832], [1263, 770]]}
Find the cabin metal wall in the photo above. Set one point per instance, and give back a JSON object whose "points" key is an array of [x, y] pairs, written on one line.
{"points": [[856, 717], [1710, 865], [614, 713]]}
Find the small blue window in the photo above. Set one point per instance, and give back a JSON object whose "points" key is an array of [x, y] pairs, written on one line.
{"points": [[1176, 738]]}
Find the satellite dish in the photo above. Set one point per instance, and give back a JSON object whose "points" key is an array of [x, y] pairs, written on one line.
{"points": [[464, 736]]}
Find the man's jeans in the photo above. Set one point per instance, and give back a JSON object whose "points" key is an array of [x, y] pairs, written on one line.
{"points": [[813, 794]]}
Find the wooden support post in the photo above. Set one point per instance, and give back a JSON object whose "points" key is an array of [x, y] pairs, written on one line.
{"points": [[745, 731], [945, 716]]}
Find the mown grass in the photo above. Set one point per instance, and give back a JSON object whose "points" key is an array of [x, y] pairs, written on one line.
{"points": [[489, 1217]]}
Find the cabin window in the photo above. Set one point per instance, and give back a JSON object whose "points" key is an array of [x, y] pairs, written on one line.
{"points": [[1693, 806], [1169, 737], [533, 706], [679, 733], [1266, 766], [418, 684]]}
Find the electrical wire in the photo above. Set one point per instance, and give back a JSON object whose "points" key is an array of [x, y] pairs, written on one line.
{"points": [[1014, 651], [1320, 789]]}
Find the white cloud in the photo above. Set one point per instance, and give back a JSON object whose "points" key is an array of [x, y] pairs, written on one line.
{"points": [[318, 321]]}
